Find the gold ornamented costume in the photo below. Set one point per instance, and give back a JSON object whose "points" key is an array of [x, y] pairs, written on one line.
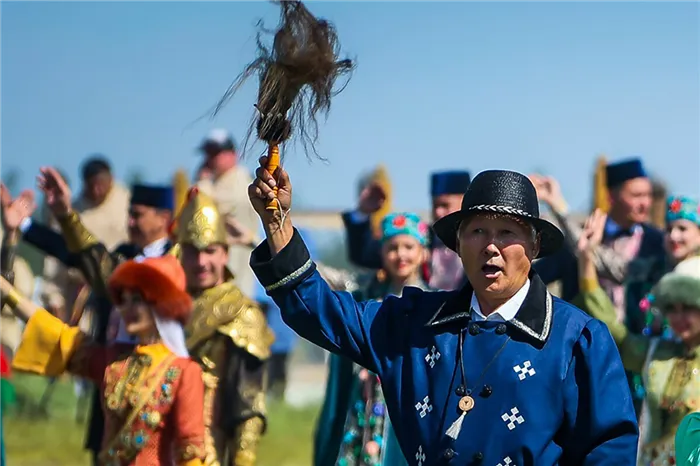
{"points": [[229, 337]]}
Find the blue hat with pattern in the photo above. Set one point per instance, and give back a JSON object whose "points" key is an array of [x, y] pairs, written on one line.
{"points": [[682, 208], [405, 223]]}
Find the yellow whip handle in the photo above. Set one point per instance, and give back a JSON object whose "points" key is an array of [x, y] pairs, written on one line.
{"points": [[273, 162]]}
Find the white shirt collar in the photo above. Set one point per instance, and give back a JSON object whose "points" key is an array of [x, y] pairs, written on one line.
{"points": [[504, 313], [156, 248]]}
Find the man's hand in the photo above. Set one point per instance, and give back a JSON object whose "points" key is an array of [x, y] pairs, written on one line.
{"points": [[592, 235], [14, 211], [549, 192], [278, 227], [56, 191], [372, 198]]}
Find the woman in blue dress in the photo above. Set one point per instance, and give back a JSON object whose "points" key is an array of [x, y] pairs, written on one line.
{"points": [[354, 428]]}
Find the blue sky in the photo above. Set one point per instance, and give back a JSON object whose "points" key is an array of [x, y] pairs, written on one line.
{"points": [[521, 86]]}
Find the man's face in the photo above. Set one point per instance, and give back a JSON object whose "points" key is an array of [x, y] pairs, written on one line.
{"points": [[218, 161], [632, 200], [97, 187], [496, 253], [445, 204], [204, 268], [147, 224]]}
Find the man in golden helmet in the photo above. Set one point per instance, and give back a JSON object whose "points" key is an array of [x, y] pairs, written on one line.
{"points": [[228, 335]]}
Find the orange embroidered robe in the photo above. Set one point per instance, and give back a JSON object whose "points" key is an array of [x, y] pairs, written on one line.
{"points": [[167, 392]]}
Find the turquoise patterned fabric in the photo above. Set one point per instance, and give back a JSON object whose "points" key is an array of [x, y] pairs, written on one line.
{"points": [[405, 223], [682, 208]]}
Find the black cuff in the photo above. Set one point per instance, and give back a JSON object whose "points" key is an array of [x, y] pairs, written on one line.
{"points": [[290, 266]]}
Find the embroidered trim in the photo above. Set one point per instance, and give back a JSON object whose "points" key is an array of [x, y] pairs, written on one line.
{"points": [[292, 276], [501, 209], [547, 322]]}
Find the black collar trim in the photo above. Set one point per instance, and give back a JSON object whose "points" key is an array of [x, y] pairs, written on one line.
{"points": [[534, 318]]}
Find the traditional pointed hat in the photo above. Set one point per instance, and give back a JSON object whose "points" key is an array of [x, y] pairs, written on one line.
{"points": [[200, 223]]}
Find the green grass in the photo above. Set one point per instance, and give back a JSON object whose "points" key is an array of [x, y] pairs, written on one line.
{"points": [[54, 438]]}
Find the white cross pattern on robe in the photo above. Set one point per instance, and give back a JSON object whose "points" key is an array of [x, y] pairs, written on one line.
{"points": [[432, 357], [524, 371], [506, 462], [512, 418], [420, 456], [424, 407]]}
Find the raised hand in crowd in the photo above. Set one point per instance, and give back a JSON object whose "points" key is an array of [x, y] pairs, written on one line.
{"points": [[277, 225], [372, 198], [549, 192], [16, 210], [56, 191], [589, 241]]}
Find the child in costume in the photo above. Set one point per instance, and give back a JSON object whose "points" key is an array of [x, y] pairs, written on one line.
{"points": [[354, 428], [153, 398]]}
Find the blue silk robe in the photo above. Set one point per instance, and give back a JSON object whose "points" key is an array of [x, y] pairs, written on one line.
{"points": [[549, 386]]}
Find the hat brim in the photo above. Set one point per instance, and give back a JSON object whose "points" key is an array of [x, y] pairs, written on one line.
{"points": [[551, 238]]}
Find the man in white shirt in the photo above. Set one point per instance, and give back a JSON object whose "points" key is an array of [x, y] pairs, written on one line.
{"points": [[227, 183]]}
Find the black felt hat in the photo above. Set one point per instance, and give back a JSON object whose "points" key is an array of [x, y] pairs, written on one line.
{"points": [[501, 192]]}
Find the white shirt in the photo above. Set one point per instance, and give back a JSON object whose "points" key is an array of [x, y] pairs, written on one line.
{"points": [[504, 313], [155, 249]]}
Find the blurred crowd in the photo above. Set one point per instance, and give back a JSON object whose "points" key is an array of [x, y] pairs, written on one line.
{"points": [[632, 261]]}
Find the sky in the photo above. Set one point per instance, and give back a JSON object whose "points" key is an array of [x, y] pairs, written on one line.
{"points": [[453, 85]]}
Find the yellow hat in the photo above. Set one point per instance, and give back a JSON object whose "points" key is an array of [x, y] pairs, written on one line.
{"points": [[199, 222]]}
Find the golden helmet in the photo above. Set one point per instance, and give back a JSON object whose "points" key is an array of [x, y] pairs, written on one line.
{"points": [[199, 222]]}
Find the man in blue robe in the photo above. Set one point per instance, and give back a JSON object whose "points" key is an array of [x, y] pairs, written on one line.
{"points": [[497, 373]]}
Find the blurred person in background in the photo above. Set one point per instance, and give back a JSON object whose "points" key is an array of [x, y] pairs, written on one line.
{"points": [[15, 270], [149, 217], [444, 270], [628, 233], [222, 177], [353, 428], [631, 257], [103, 206], [669, 367], [227, 335]]}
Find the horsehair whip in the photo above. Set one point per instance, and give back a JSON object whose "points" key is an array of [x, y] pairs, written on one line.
{"points": [[297, 77]]}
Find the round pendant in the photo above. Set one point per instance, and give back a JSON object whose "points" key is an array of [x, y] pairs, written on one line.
{"points": [[466, 403]]}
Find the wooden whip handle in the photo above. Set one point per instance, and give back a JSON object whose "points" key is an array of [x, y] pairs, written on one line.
{"points": [[273, 162]]}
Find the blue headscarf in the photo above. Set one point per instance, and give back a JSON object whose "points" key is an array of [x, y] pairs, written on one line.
{"points": [[682, 208], [405, 223]]}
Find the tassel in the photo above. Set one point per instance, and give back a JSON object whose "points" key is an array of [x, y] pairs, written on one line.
{"points": [[456, 427]]}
